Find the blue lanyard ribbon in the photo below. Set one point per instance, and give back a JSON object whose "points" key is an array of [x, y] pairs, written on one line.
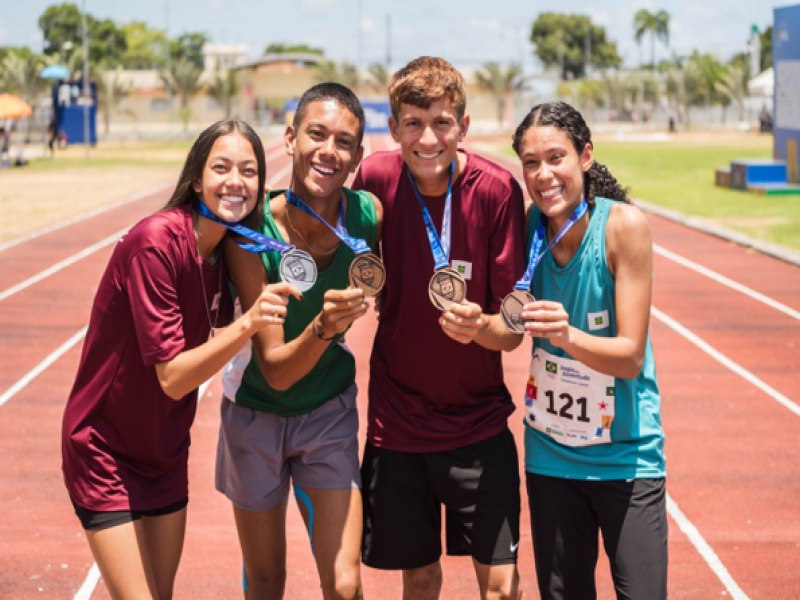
{"points": [[440, 248], [263, 242], [539, 235], [357, 245]]}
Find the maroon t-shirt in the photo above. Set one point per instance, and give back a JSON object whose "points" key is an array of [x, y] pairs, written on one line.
{"points": [[125, 443], [427, 392]]}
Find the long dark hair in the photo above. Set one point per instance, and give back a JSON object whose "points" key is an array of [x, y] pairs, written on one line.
{"points": [[598, 180], [198, 155]]}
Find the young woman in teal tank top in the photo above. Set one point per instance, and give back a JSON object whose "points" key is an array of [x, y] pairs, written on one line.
{"points": [[593, 440], [290, 418]]}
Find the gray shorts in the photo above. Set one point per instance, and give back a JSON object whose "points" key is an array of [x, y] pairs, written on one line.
{"points": [[259, 451]]}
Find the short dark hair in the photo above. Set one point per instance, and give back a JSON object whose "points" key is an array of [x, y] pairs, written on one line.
{"points": [[331, 91], [192, 170], [598, 181]]}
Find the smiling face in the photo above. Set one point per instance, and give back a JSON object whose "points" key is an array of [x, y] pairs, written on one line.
{"points": [[429, 139], [229, 184], [324, 148], [553, 170]]}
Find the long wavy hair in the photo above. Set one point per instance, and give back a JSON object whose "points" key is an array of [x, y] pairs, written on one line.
{"points": [[598, 180], [198, 155]]}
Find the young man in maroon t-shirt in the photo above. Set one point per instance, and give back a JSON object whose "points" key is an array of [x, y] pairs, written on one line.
{"points": [[438, 406]]}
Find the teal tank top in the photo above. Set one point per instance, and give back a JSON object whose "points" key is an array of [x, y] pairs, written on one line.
{"points": [[585, 287], [335, 371]]}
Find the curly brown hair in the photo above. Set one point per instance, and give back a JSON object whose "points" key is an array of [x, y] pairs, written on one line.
{"points": [[598, 180], [425, 80]]}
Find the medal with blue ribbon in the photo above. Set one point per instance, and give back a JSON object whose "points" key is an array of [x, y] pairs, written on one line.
{"points": [[296, 266], [366, 269], [511, 309], [447, 287]]}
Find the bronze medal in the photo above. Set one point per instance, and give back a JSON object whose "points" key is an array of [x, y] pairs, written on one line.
{"points": [[511, 310], [446, 288], [298, 268], [368, 273]]}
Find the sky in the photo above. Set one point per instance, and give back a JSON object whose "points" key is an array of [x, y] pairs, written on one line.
{"points": [[468, 33]]}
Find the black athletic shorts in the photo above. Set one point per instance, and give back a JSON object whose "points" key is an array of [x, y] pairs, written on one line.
{"points": [[96, 520], [404, 492]]}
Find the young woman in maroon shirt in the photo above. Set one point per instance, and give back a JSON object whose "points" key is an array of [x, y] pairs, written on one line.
{"points": [[152, 339]]}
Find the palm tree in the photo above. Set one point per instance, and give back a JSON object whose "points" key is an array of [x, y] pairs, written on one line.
{"points": [[19, 74], [183, 80], [501, 83], [110, 92], [379, 76], [344, 73], [224, 90], [654, 23]]}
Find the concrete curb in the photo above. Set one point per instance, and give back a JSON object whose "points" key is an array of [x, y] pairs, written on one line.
{"points": [[785, 254]]}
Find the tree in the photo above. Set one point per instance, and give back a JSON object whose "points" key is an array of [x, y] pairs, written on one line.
{"points": [[188, 46], [224, 90], [19, 74], [654, 23], [709, 73], [182, 79], [146, 48], [110, 92], [293, 49], [766, 49], [562, 41], [344, 73], [500, 83], [59, 24], [63, 24]]}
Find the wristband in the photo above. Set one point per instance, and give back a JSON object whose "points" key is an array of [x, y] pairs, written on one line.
{"points": [[318, 331]]}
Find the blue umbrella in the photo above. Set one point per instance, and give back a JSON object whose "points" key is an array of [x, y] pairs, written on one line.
{"points": [[54, 72]]}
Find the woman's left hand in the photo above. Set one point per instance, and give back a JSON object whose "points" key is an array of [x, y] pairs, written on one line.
{"points": [[547, 319]]}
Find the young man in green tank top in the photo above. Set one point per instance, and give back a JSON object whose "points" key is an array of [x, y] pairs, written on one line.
{"points": [[290, 414]]}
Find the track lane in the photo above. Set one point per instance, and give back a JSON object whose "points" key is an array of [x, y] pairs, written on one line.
{"points": [[705, 491]]}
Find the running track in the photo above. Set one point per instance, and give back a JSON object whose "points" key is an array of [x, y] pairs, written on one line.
{"points": [[725, 328]]}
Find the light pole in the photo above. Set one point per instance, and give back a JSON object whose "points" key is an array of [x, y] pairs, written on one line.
{"points": [[86, 92]]}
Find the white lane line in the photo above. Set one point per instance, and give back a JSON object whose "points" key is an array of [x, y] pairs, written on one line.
{"points": [[795, 314], [708, 554], [62, 264], [49, 360], [85, 215], [726, 362], [91, 581]]}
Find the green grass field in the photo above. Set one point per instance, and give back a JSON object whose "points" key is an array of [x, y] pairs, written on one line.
{"points": [[679, 175]]}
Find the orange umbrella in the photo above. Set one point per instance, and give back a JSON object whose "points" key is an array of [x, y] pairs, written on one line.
{"points": [[13, 107]]}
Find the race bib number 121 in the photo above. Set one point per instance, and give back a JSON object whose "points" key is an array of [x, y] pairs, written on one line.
{"points": [[568, 401]]}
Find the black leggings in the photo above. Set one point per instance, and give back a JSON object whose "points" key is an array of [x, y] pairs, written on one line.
{"points": [[566, 516]]}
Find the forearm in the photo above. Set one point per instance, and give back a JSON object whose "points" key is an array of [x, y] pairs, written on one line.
{"points": [[494, 335], [189, 369], [285, 364], [618, 356]]}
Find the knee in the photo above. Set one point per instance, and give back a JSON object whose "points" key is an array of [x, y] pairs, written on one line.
{"points": [[345, 585], [504, 586], [423, 582], [262, 584]]}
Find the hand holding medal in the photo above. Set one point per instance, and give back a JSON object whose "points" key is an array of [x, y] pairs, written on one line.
{"points": [[296, 267], [513, 303]]}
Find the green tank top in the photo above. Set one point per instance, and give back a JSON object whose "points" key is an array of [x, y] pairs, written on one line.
{"points": [[336, 370]]}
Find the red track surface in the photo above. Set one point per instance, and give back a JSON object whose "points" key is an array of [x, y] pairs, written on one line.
{"points": [[732, 450]]}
